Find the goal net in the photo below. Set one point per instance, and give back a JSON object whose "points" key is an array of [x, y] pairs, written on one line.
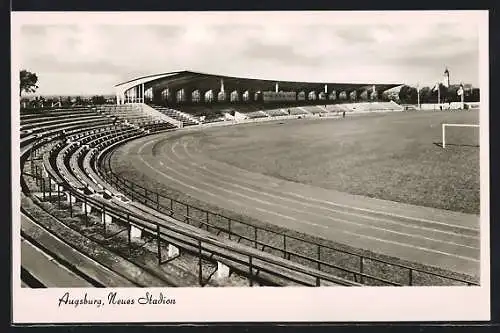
{"points": [[466, 135]]}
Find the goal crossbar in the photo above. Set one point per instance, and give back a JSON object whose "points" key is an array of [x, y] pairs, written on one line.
{"points": [[453, 125]]}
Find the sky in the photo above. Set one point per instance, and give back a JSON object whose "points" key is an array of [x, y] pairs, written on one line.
{"points": [[83, 56]]}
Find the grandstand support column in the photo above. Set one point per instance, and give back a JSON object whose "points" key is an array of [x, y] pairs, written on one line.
{"points": [[374, 94], [326, 90], [222, 85], [120, 96], [142, 94], [277, 87], [167, 95]]}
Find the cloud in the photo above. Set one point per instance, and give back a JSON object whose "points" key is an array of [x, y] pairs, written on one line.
{"points": [[276, 53], [356, 34], [382, 52], [51, 64]]}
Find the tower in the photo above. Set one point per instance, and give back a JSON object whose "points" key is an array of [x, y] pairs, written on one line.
{"points": [[446, 78]]}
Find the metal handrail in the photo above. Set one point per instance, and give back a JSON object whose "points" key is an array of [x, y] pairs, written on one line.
{"points": [[155, 227], [108, 174], [286, 253]]}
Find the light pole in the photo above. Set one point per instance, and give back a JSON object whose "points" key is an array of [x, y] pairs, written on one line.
{"points": [[418, 96], [439, 94], [461, 93]]}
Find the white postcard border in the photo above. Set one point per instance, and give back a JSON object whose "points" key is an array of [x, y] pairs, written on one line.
{"points": [[263, 303]]}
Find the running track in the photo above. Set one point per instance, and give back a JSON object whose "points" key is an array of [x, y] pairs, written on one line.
{"points": [[429, 236]]}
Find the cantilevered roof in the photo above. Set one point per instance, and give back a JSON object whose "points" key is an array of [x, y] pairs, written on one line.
{"points": [[204, 80], [147, 78]]}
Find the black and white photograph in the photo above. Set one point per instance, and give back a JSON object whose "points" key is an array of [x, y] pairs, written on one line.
{"points": [[240, 166]]}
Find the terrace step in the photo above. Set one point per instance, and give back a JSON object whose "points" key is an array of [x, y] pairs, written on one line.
{"points": [[89, 267], [106, 258]]}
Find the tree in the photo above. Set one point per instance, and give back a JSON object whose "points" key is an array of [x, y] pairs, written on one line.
{"points": [[426, 95], [474, 96], [27, 82], [65, 101], [443, 93], [408, 95], [96, 100]]}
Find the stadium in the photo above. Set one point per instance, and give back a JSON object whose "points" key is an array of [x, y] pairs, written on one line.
{"points": [[195, 179]]}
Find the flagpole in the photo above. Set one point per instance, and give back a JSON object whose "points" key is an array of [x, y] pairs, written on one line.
{"points": [[439, 94], [462, 95], [418, 95]]}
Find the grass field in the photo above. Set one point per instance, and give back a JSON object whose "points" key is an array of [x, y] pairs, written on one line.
{"points": [[393, 156]]}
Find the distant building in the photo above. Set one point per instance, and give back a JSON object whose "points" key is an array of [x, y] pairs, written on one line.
{"points": [[446, 78]]}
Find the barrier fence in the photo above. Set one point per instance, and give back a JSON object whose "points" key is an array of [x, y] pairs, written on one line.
{"points": [[279, 243], [202, 246]]}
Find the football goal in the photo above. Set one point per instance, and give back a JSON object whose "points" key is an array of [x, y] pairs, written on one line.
{"points": [[460, 135]]}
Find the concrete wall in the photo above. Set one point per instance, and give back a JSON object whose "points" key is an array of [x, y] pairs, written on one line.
{"points": [[239, 116], [447, 106]]}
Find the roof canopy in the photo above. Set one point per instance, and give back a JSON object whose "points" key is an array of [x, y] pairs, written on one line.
{"points": [[201, 81]]}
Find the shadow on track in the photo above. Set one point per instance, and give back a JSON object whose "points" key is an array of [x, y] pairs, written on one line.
{"points": [[440, 145]]}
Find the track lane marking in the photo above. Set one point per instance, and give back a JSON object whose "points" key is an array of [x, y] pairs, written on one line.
{"points": [[377, 211], [358, 234], [329, 217], [413, 246], [339, 205], [204, 168], [232, 192]]}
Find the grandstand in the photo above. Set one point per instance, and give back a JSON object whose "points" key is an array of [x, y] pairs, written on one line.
{"points": [[187, 96]]}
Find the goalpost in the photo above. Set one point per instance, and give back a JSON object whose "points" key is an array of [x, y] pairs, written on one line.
{"points": [[454, 125]]}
